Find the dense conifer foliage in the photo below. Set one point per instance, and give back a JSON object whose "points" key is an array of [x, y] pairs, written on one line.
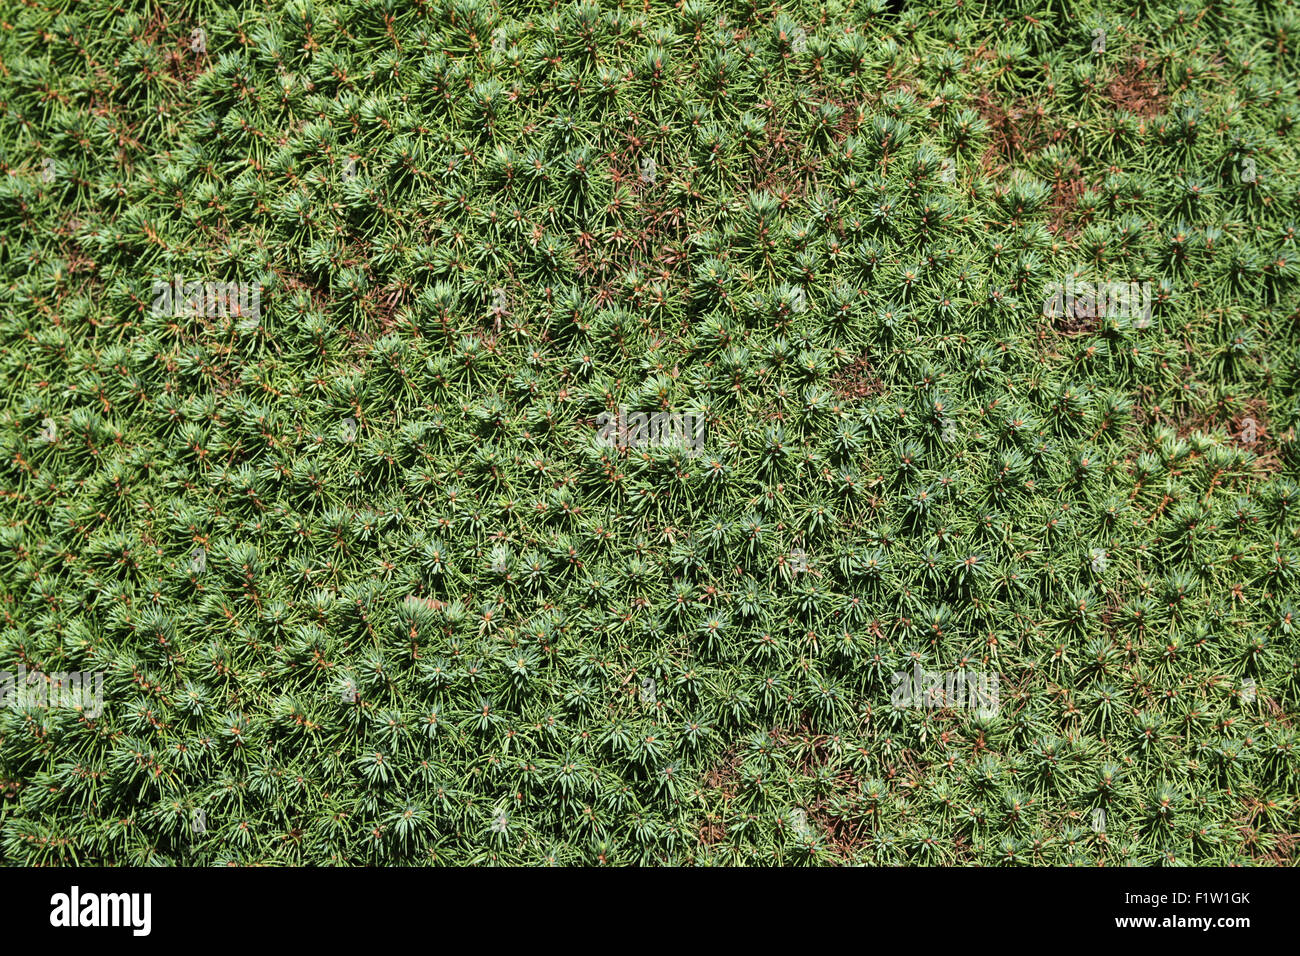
{"points": [[459, 432]]}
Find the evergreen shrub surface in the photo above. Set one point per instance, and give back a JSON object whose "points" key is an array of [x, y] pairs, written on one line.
{"points": [[461, 432]]}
